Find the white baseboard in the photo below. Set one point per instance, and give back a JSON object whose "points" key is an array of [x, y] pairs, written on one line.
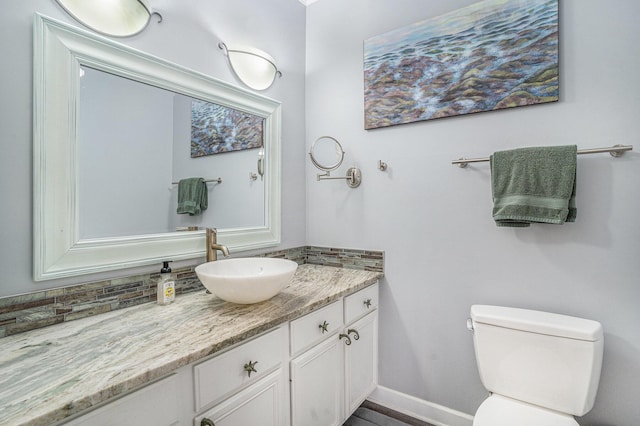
{"points": [[419, 409]]}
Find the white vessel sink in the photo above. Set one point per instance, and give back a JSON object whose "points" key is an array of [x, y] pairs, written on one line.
{"points": [[246, 280]]}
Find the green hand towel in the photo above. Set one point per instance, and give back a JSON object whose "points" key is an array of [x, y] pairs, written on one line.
{"points": [[534, 185], [192, 196]]}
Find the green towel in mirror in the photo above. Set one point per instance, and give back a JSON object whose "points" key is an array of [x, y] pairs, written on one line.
{"points": [[192, 196], [534, 185]]}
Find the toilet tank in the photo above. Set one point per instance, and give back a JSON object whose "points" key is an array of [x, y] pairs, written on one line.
{"points": [[545, 359]]}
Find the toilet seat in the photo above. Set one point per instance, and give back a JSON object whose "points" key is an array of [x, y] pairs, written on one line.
{"points": [[498, 410]]}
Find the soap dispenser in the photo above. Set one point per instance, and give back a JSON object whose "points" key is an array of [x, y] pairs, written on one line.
{"points": [[166, 285]]}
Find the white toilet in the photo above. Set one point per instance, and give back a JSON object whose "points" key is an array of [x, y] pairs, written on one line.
{"points": [[541, 368]]}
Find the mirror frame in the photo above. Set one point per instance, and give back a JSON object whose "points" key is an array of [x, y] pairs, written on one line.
{"points": [[59, 51]]}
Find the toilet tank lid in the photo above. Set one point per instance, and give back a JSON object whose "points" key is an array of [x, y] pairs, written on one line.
{"points": [[538, 322]]}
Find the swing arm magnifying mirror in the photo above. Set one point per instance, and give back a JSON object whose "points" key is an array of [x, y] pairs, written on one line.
{"points": [[327, 155]]}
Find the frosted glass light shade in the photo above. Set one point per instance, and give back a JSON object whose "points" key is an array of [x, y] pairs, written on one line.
{"points": [[119, 18], [255, 68]]}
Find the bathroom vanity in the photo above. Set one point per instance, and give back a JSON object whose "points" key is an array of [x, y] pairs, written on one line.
{"points": [[306, 356]]}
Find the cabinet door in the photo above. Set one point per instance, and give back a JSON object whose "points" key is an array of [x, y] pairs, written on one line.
{"points": [[361, 361], [317, 385], [263, 404]]}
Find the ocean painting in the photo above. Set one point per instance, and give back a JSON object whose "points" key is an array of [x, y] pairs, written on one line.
{"points": [[216, 129], [490, 55]]}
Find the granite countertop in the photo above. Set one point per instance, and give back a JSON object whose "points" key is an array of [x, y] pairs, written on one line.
{"points": [[49, 374]]}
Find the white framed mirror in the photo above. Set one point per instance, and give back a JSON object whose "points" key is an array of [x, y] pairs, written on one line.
{"points": [[61, 246]]}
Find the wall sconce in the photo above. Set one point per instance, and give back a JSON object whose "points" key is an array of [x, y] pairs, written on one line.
{"points": [[253, 67], [118, 18]]}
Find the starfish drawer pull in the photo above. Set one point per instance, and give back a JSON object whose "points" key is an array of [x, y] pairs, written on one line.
{"points": [[250, 367]]}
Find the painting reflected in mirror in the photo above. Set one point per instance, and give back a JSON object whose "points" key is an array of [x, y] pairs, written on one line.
{"points": [[136, 142], [216, 129]]}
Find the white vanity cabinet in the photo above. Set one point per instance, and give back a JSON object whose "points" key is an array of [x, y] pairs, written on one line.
{"points": [[246, 385], [330, 379], [314, 370]]}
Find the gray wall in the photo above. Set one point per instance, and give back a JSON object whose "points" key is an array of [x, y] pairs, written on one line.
{"points": [[443, 251], [188, 35]]}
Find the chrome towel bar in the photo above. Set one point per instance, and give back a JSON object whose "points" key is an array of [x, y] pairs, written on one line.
{"points": [[219, 180], [615, 151]]}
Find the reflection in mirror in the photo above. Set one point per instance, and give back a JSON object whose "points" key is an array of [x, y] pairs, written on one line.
{"points": [[135, 140], [104, 193]]}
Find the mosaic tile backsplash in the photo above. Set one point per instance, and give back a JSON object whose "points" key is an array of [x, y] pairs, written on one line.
{"points": [[48, 307]]}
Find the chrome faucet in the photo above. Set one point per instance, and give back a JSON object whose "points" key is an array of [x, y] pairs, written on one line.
{"points": [[213, 246]]}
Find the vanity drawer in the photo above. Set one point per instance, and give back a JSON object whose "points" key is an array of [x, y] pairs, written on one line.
{"points": [[309, 330], [360, 303], [219, 377]]}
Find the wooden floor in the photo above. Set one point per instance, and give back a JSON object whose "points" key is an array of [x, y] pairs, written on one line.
{"points": [[370, 414]]}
